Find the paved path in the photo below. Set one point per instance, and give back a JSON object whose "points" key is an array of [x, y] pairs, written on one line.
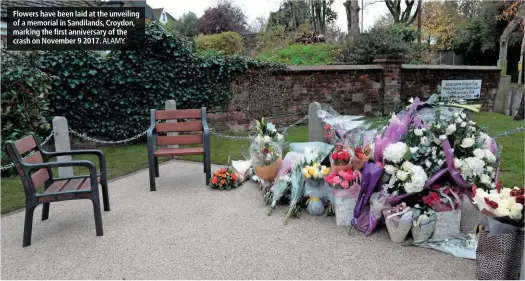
{"points": [[184, 230]]}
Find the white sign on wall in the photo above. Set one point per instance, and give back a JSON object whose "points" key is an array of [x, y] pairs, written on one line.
{"points": [[461, 89]]}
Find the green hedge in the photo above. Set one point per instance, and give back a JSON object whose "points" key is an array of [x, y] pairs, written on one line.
{"points": [[111, 96], [25, 90], [226, 43]]}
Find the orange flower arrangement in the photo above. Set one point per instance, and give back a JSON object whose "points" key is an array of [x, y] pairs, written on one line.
{"points": [[224, 178]]}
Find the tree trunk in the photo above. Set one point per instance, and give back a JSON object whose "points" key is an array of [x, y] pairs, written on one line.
{"points": [[352, 17], [522, 53]]}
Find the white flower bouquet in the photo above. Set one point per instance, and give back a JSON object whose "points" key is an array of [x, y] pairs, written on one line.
{"points": [[402, 176], [266, 158], [266, 132]]}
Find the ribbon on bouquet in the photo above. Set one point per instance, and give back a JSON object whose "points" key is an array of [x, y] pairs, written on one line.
{"points": [[313, 199], [449, 200], [455, 174]]}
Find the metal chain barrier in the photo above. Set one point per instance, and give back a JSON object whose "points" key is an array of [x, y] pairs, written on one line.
{"points": [[86, 137], [283, 130], [509, 132]]}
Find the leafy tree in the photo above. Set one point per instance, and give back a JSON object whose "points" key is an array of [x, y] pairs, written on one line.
{"points": [[186, 25], [291, 14], [478, 40], [223, 17], [441, 21], [394, 40]]}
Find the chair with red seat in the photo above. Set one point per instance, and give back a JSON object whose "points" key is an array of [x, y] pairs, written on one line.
{"points": [[35, 171], [157, 138]]}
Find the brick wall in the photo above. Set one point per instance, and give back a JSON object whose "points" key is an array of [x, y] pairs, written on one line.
{"points": [[423, 80], [350, 89]]}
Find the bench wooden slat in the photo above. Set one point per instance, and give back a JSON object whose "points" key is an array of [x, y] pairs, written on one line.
{"points": [[178, 114], [25, 144], [56, 186], [73, 185], [184, 139], [39, 177], [179, 127], [165, 152], [34, 158], [86, 185]]}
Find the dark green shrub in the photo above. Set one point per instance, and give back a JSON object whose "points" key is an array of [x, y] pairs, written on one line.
{"points": [[393, 40], [25, 90], [227, 43], [111, 96]]}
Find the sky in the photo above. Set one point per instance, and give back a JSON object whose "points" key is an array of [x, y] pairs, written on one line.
{"points": [[257, 8]]}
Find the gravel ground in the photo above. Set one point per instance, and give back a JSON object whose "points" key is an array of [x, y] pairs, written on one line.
{"points": [[185, 230]]}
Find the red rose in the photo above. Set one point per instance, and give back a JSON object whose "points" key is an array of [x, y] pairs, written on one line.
{"points": [[214, 180], [492, 204], [234, 177], [266, 150]]}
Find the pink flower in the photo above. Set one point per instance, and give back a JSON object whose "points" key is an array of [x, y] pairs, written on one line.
{"points": [[337, 180], [344, 184]]}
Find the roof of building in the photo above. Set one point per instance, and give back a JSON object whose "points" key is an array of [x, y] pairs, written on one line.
{"points": [[157, 12]]}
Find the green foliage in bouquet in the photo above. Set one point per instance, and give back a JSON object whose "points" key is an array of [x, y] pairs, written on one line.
{"points": [[265, 128]]}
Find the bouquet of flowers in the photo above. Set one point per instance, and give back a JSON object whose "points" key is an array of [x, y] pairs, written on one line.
{"points": [[423, 224], [345, 129], [340, 158], [501, 235], [314, 175], [266, 132], [266, 157], [360, 157], [398, 220], [224, 179], [446, 202], [308, 154], [345, 185], [403, 177]]}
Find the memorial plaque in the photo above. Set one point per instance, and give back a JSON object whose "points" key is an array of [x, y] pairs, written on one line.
{"points": [[460, 89]]}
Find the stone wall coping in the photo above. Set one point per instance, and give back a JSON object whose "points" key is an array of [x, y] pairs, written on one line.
{"points": [[450, 67], [331, 68]]}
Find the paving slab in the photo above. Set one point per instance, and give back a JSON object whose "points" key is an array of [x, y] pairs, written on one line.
{"points": [[186, 230]]}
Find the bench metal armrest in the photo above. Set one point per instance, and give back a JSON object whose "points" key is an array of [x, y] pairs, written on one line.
{"points": [[151, 136], [100, 154]]}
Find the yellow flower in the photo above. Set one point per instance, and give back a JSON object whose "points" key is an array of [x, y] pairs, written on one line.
{"points": [[307, 176], [325, 170], [311, 170]]}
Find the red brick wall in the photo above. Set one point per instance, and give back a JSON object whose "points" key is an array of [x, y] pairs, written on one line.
{"points": [[349, 89]]}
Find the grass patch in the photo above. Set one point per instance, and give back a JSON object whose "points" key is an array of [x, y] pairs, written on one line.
{"points": [[124, 160], [300, 54]]}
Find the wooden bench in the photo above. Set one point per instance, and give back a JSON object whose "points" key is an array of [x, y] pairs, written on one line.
{"points": [[157, 138], [35, 171]]}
